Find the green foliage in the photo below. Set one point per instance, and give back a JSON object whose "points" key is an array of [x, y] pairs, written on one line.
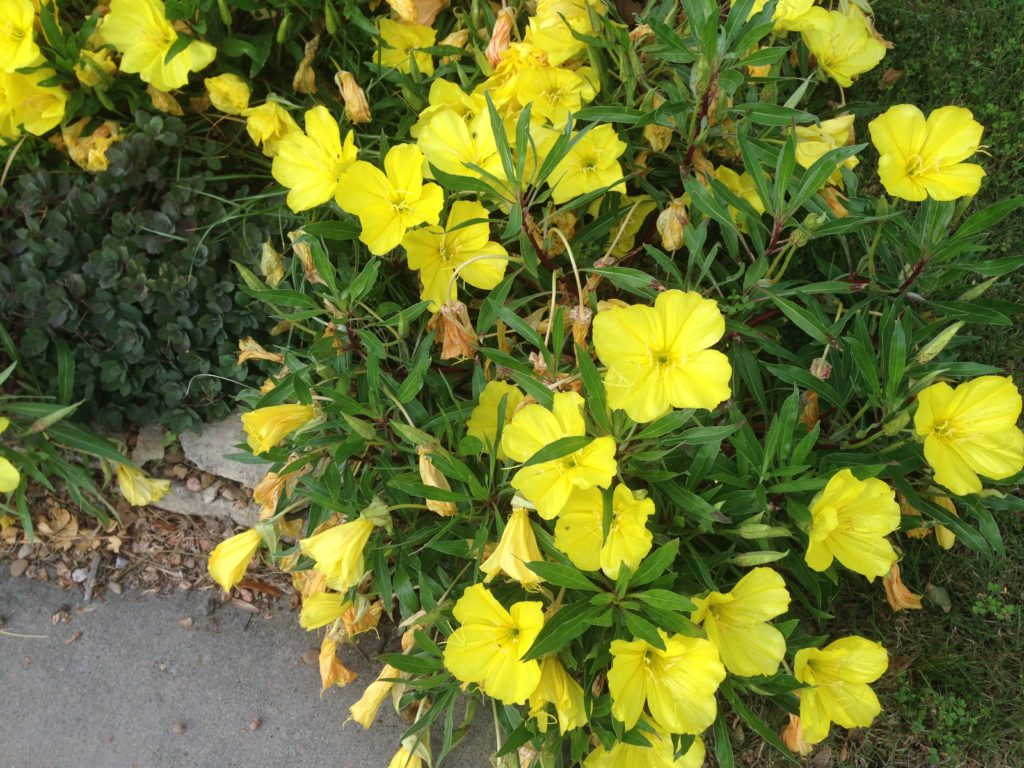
{"points": [[124, 278]]}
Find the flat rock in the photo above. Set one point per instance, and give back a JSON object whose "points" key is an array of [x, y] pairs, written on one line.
{"points": [[208, 449], [182, 501], [149, 445]]}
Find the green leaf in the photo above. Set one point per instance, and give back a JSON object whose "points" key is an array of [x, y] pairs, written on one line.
{"points": [[566, 625], [562, 447], [563, 576], [655, 564], [772, 114], [665, 599], [723, 745], [643, 629], [756, 724], [593, 386]]}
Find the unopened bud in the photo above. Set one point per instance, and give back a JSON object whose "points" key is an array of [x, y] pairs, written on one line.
{"points": [[501, 36], [820, 369], [672, 224], [761, 531], [750, 559], [377, 513], [357, 109], [895, 425], [936, 345]]}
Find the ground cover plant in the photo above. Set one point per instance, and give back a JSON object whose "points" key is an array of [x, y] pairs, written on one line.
{"points": [[599, 370]]}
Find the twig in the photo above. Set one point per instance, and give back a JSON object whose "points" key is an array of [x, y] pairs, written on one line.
{"points": [[94, 564], [20, 636]]}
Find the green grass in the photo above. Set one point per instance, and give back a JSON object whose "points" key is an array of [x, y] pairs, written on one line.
{"points": [[953, 693], [967, 53]]}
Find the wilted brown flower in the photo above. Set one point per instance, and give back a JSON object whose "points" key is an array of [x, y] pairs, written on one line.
{"points": [[357, 109], [432, 478], [793, 737], [455, 331], [250, 349], [672, 224], [900, 598], [305, 78], [501, 36]]}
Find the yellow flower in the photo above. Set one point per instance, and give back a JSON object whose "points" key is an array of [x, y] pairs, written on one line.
{"points": [[437, 253], [971, 431], [138, 488], [400, 43], [559, 688], [549, 484], [850, 520], [845, 46], [267, 124], [554, 92], [793, 15], [405, 759], [660, 754], [552, 26], [322, 609], [678, 683], [140, 31], [591, 164], [943, 535], [737, 622], [443, 95], [266, 427], [312, 165], [17, 35], [741, 185], [230, 559], [90, 153], [483, 421], [579, 531], [390, 204], [486, 649], [365, 710], [95, 68], [164, 102], [838, 692], [897, 593], [921, 158], [452, 144], [338, 552], [658, 357], [27, 105], [813, 141], [229, 93], [516, 548]]}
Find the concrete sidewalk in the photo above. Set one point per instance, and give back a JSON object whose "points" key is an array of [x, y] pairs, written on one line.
{"points": [[119, 693]]}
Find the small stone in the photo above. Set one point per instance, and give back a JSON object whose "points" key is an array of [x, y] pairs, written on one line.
{"points": [[186, 622], [79, 575], [194, 485], [174, 457], [311, 656], [120, 563], [18, 567], [179, 728], [210, 491], [255, 723], [179, 471], [24, 551], [114, 587]]}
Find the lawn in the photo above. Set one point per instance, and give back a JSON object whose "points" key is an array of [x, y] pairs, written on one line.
{"points": [[952, 697]]}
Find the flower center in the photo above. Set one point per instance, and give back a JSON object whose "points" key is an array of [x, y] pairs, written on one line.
{"points": [[944, 430], [398, 202], [915, 165]]}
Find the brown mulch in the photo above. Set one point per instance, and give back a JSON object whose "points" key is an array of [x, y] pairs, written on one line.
{"points": [[146, 550]]}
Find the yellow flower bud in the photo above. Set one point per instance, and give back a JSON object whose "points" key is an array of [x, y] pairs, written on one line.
{"points": [[267, 124], [266, 427], [357, 110], [230, 559], [516, 548], [501, 36], [229, 93], [672, 223], [434, 479]]}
